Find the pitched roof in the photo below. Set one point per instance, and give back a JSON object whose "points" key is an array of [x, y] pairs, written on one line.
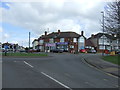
{"points": [[61, 35], [98, 35], [89, 43], [35, 40]]}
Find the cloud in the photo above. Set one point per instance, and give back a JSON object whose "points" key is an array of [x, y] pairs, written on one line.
{"points": [[75, 15]]}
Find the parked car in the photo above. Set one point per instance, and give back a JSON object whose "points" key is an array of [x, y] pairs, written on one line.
{"points": [[57, 50], [117, 51], [83, 50], [22, 51], [92, 51]]}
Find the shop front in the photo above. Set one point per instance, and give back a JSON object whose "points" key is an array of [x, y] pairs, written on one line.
{"points": [[62, 45], [49, 46]]}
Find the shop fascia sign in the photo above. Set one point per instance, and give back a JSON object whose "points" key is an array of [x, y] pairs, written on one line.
{"points": [[62, 43], [50, 44]]}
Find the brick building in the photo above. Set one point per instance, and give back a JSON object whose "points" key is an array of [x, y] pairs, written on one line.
{"points": [[96, 41], [68, 41]]}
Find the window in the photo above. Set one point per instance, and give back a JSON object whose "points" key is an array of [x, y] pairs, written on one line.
{"points": [[74, 39], [51, 40], [41, 42], [61, 39], [71, 46], [101, 47], [81, 39]]}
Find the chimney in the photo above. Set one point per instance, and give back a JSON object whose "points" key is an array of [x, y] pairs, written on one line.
{"points": [[45, 33], [82, 32], [92, 35], [59, 31]]}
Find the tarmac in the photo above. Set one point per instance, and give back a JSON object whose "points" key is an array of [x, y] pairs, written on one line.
{"points": [[97, 61]]}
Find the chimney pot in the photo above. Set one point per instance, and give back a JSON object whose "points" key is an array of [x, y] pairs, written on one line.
{"points": [[59, 31], [45, 33], [92, 35], [82, 32]]}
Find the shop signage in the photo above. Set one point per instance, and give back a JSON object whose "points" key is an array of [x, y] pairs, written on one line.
{"points": [[62, 43], [50, 44]]}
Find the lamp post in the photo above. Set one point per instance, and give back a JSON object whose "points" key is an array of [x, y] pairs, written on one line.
{"points": [[103, 30]]}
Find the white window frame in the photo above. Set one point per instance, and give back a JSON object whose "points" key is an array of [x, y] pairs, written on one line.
{"points": [[74, 39], [62, 39], [41, 41], [51, 40]]}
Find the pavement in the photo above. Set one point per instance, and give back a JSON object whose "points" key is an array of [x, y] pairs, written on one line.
{"points": [[61, 70], [97, 61]]}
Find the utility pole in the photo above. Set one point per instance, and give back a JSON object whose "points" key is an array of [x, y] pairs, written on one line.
{"points": [[103, 31], [29, 41]]}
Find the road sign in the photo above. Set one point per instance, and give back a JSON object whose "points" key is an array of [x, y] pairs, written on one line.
{"points": [[6, 47]]}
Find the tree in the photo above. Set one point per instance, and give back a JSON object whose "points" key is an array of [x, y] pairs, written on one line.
{"points": [[112, 18]]}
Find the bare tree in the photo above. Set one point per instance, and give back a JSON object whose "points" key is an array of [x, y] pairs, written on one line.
{"points": [[112, 18]]}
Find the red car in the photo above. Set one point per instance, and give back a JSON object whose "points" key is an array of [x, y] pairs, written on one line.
{"points": [[83, 51]]}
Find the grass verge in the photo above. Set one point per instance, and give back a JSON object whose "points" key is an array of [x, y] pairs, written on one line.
{"points": [[113, 59], [25, 54]]}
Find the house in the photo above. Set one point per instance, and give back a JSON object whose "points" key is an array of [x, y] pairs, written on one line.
{"points": [[102, 41], [12, 47], [68, 41], [35, 44]]}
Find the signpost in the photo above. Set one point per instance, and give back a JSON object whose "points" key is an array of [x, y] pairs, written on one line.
{"points": [[6, 48]]}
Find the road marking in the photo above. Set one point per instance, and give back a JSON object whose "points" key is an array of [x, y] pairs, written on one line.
{"points": [[105, 79], [28, 64], [56, 81], [116, 86]]}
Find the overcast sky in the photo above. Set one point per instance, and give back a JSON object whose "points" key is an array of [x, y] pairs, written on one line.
{"points": [[18, 18]]}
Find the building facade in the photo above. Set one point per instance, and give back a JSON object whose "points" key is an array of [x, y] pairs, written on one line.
{"points": [[67, 41], [102, 41], [12, 47]]}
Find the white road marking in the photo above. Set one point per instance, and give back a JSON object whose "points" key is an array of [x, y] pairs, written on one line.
{"points": [[28, 64], [56, 81], [105, 79]]}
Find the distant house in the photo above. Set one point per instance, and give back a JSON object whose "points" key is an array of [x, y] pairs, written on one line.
{"points": [[101, 42], [12, 47]]}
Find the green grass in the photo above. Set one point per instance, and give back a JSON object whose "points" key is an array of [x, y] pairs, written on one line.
{"points": [[24, 54], [113, 59]]}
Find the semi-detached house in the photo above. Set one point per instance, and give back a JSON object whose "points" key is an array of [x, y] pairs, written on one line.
{"points": [[68, 41], [102, 41]]}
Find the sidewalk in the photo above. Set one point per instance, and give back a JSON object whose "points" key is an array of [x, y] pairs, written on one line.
{"points": [[96, 61]]}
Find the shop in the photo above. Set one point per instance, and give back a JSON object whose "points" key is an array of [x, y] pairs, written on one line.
{"points": [[49, 46], [62, 45]]}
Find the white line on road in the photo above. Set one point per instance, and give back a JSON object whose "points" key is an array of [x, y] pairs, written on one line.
{"points": [[28, 64], [56, 81]]}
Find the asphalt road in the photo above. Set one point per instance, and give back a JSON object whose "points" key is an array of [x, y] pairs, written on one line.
{"points": [[58, 71]]}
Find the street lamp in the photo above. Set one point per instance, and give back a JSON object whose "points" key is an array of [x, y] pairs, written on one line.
{"points": [[103, 30]]}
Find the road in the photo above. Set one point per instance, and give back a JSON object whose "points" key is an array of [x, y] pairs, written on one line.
{"points": [[57, 71]]}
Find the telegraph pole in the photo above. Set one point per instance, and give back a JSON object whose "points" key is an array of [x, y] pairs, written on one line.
{"points": [[29, 41], [103, 31]]}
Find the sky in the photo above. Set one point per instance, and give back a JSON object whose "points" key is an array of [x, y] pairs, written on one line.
{"points": [[20, 18]]}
